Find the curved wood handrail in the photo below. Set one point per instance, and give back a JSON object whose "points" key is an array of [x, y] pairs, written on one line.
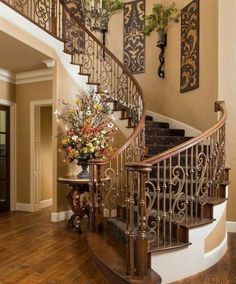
{"points": [[219, 106], [127, 72]]}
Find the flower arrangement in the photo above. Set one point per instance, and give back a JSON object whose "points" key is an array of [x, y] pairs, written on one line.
{"points": [[89, 128]]}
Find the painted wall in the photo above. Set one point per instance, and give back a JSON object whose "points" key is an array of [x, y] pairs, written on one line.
{"points": [[26, 93], [151, 85], [195, 108], [7, 91], [46, 152], [227, 89]]}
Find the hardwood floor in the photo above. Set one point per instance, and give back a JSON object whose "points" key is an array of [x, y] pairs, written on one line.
{"points": [[224, 272], [34, 250]]}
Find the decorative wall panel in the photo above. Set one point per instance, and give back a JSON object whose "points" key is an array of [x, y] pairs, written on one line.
{"points": [[190, 47], [134, 39]]}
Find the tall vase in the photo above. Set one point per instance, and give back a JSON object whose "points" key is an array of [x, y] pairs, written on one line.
{"points": [[84, 174]]}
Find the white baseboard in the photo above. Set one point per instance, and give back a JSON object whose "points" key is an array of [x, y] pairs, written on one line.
{"points": [[46, 203], [231, 227], [27, 207], [61, 216]]}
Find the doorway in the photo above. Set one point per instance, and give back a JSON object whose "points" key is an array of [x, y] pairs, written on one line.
{"points": [[41, 154], [4, 158]]}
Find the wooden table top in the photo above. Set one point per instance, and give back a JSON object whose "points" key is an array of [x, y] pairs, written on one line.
{"points": [[73, 180]]}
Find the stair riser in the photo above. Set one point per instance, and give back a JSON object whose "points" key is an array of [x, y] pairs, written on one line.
{"points": [[165, 140], [156, 132], [154, 124]]}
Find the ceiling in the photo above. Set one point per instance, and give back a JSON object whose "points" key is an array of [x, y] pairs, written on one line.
{"points": [[17, 57]]}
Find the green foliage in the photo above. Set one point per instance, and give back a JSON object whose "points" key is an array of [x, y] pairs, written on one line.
{"points": [[112, 6], [161, 18]]}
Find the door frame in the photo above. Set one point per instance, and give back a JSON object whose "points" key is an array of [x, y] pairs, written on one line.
{"points": [[35, 192], [13, 162]]}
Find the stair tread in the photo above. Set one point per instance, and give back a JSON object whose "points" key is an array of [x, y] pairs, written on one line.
{"points": [[197, 222], [110, 257], [154, 247]]}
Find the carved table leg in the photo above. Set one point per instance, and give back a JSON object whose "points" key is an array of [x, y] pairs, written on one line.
{"points": [[74, 200]]}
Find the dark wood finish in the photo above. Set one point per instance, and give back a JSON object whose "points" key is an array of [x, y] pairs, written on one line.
{"points": [[109, 256], [34, 250], [5, 163], [79, 207]]}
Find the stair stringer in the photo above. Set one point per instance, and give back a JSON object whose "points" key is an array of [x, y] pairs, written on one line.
{"points": [[189, 130], [179, 264]]}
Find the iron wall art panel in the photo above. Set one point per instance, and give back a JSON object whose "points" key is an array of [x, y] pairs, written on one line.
{"points": [[190, 18], [134, 39]]}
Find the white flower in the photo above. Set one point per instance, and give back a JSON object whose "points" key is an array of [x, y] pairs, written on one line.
{"points": [[74, 138], [113, 118], [110, 125], [57, 113]]}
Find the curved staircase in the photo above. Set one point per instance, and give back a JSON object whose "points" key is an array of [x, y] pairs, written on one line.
{"points": [[156, 187]]}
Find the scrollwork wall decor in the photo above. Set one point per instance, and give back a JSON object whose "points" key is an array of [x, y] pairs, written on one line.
{"points": [[134, 39], [190, 47]]}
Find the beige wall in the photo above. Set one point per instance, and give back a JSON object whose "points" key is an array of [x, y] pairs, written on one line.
{"points": [[151, 84], [195, 108], [216, 236], [227, 89], [24, 95], [7, 91], [46, 152]]}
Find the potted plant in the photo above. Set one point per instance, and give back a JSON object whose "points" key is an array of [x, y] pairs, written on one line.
{"points": [[160, 20], [89, 130], [98, 13]]}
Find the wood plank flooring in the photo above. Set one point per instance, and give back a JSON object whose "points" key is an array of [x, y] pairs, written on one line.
{"points": [[34, 250], [224, 272]]}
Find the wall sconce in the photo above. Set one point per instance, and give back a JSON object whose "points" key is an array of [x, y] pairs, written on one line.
{"points": [[162, 44], [159, 21]]}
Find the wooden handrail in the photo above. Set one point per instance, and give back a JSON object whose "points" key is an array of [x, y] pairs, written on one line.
{"points": [[219, 106], [127, 72]]}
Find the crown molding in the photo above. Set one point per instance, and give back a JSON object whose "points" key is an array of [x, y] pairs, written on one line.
{"points": [[34, 76], [50, 63], [26, 77], [7, 76]]}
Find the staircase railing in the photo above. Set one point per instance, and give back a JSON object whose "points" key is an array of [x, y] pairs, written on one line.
{"points": [[46, 14], [171, 190], [108, 178]]}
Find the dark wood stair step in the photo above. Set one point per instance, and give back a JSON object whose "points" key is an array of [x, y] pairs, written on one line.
{"points": [[155, 247], [110, 258]]}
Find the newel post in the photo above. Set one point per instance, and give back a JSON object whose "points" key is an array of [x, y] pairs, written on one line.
{"points": [[96, 197], [137, 261]]}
